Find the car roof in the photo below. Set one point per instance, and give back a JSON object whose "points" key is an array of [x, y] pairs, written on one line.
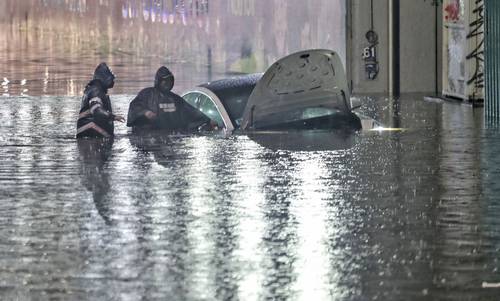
{"points": [[234, 92]]}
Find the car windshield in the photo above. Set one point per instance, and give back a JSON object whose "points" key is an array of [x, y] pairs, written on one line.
{"points": [[204, 104]]}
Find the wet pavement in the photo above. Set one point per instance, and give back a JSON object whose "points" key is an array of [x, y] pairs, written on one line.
{"points": [[376, 215]]}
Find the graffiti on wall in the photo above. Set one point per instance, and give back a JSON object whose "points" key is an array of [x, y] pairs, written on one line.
{"points": [[452, 11], [456, 61], [464, 48], [455, 40], [476, 57]]}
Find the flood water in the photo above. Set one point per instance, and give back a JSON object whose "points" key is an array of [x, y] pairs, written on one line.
{"points": [[410, 214], [407, 215]]}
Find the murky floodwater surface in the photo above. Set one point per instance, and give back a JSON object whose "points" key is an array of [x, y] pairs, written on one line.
{"points": [[411, 215]]}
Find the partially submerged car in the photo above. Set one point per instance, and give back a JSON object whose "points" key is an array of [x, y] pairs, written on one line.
{"points": [[305, 90]]}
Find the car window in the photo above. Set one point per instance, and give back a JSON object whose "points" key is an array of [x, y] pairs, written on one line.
{"points": [[205, 104]]}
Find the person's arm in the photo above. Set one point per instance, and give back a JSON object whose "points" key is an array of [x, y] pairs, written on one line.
{"points": [[97, 110], [119, 118], [138, 112], [96, 107]]}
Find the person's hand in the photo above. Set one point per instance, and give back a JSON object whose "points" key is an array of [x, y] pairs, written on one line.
{"points": [[150, 115], [208, 126], [119, 118], [213, 125]]}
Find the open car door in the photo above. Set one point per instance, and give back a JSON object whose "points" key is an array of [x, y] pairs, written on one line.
{"points": [[302, 86]]}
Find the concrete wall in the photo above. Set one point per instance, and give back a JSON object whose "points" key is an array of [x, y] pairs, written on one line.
{"points": [[360, 23], [417, 52]]}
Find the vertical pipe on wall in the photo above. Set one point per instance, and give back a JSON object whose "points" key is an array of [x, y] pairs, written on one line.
{"points": [[395, 56], [494, 53], [390, 58], [492, 62], [396, 40], [436, 50], [349, 44], [488, 61]]}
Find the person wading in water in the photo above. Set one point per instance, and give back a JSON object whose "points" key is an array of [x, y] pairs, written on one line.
{"points": [[159, 108], [96, 115]]}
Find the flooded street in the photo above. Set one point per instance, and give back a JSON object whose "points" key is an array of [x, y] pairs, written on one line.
{"points": [[411, 215], [407, 213]]}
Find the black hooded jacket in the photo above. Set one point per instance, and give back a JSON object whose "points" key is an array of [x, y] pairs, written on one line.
{"points": [[173, 112], [96, 115]]}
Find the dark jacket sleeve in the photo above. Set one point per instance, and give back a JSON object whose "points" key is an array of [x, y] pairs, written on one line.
{"points": [[96, 105], [138, 107]]}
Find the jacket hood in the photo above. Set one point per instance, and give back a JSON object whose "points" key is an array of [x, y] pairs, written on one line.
{"points": [[163, 73], [104, 74]]}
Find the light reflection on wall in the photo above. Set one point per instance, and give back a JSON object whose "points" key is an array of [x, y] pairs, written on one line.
{"points": [[49, 42]]}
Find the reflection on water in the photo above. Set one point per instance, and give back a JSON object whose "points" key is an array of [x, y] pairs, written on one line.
{"points": [[411, 215], [51, 47], [93, 155], [305, 140]]}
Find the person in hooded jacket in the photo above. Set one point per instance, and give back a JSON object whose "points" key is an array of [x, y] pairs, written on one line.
{"points": [[96, 115], [159, 108]]}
